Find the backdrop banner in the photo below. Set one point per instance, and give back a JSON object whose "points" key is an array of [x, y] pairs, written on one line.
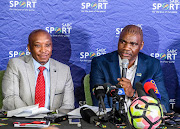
{"points": [[83, 29]]}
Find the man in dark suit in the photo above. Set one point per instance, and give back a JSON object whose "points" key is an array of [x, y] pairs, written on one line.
{"points": [[108, 68]]}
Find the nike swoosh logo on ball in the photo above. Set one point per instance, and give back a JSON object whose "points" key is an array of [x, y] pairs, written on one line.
{"points": [[137, 107]]}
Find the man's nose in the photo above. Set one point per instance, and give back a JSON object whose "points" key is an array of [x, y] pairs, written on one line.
{"points": [[43, 49], [127, 45]]}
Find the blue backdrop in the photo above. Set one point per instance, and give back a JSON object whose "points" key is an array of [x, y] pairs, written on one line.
{"points": [[83, 29]]}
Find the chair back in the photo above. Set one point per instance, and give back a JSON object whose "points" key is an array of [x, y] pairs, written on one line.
{"points": [[87, 90]]}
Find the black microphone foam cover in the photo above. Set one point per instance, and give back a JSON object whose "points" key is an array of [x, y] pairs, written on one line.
{"points": [[107, 85], [140, 90], [99, 90], [88, 115]]}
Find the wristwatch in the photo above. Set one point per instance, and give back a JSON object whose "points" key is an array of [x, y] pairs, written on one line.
{"points": [[133, 97]]}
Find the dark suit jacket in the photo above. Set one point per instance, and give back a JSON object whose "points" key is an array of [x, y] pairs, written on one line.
{"points": [[105, 69]]}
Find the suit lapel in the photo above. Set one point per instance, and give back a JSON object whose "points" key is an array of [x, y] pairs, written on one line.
{"points": [[53, 82], [31, 75], [141, 68], [115, 69]]}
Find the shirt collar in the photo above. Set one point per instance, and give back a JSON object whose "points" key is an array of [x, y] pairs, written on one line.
{"points": [[37, 65]]}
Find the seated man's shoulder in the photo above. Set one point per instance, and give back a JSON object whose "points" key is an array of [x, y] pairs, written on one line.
{"points": [[19, 60], [59, 64], [148, 58]]}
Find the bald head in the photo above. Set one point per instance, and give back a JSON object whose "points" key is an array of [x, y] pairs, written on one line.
{"points": [[132, 29], [40, 46], [31, 35]]}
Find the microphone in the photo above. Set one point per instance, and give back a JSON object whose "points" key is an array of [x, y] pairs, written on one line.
{"points": [[99, 92], [120, 90], [150, 89], [156, 91], [125, 63], [90, 116], [110, 90], [139, 89], [114, 91]]}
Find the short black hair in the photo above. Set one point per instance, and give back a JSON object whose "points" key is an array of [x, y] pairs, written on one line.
{"points": [[133, 29]]}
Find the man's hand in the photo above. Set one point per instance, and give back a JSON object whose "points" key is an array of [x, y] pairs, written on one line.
{"points": [[126, 85]]}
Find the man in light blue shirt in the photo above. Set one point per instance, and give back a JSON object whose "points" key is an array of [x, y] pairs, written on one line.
{"points": [[20, 78]]}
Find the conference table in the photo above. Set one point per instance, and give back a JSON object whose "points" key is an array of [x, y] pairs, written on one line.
{"points": [[7, 123]]}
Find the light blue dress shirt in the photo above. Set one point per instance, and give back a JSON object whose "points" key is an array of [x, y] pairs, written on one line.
{"points": [[46, 74]]}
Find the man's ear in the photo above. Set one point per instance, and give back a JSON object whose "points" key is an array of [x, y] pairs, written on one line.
{"points": [[142, 45], [28, 46]]}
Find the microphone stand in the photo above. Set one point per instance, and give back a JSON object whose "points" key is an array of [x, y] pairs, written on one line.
{"points": [[100, 107], [105, 116], [114, 113], [113, 108], [123, 113]]}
